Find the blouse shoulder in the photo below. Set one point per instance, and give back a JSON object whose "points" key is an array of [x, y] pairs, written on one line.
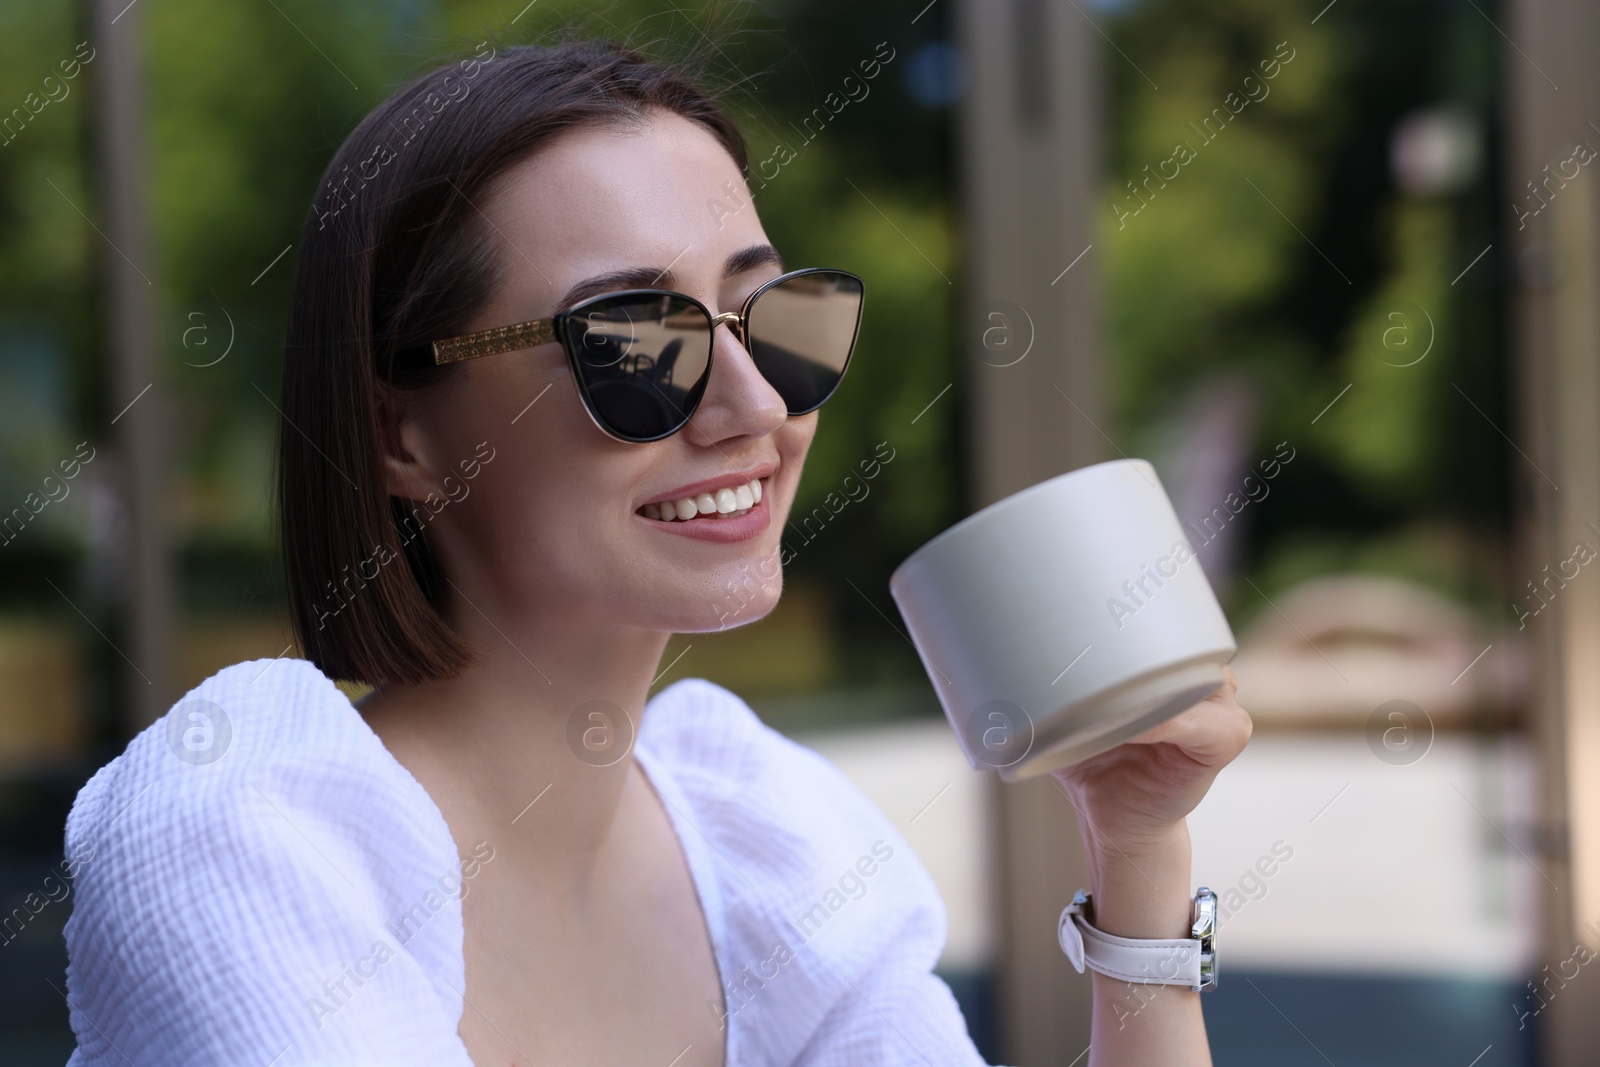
{"points": [[826, 904], [759, 789], [244, 870]]}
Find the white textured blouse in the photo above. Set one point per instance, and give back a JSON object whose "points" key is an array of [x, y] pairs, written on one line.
{"points": [[263, 884]]}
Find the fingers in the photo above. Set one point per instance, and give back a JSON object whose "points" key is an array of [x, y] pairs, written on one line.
{"points": [[1212, 732]]}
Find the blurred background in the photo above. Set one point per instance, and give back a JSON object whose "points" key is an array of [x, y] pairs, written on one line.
{"points": [[1331, 267]]}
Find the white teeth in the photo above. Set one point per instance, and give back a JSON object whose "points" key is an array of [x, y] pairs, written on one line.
{"points": [[728, 502]]}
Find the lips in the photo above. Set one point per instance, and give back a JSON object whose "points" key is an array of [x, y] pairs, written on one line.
{"points": [[724, 528], [731, 507], [730, 480]]}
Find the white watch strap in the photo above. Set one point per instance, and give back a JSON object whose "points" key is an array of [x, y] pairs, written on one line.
{"points": [[1160, 962]]}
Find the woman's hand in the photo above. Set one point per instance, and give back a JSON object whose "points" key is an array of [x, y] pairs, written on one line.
{"points": [[1132, 802], [1136, 795]]}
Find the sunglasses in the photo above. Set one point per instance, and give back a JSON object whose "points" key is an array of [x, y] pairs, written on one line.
{"points": [[642, 357]]}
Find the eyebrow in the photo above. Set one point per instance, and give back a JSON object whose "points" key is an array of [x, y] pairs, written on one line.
{"points": [[663, 278]]}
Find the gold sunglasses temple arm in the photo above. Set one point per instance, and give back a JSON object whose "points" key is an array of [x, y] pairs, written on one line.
{"points": [[493, 342]]}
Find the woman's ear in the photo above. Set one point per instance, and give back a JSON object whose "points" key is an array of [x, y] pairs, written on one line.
{"points": [[405, 449]]}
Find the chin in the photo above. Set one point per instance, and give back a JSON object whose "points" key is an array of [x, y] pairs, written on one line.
{"points": [[730, 597]]}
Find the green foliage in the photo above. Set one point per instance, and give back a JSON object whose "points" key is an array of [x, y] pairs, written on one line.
{"points": [[1283, 251], [47, 255], [1191, 273], [1397, 356], [246, 102]]}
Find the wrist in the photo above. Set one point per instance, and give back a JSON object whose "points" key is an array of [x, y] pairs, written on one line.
{"points": [[1144, 893]]}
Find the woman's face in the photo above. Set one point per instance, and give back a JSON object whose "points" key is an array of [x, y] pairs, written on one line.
{"points": [[553, 523]]}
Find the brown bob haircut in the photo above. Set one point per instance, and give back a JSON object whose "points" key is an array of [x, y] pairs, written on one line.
{"points": [[394, 255]]}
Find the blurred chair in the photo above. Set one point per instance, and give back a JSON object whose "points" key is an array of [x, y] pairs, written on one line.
{"points": [[1330, 650]]}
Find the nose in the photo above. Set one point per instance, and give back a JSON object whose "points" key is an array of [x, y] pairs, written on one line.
{"points": [[738, 401]]}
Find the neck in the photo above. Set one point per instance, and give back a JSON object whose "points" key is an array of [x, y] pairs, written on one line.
{"points": [[530, 747]]}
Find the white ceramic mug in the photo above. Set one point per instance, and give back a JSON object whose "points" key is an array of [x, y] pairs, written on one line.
{"points": [[1063, 620]]}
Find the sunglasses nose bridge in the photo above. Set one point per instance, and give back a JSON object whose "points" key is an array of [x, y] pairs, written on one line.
{"points": [[732, 318]]}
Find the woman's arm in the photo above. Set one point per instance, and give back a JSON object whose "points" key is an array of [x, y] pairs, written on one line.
{"points": [[1132, 803]]}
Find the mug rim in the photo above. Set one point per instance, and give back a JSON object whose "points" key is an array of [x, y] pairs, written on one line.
{"points": [[1005, 503]]}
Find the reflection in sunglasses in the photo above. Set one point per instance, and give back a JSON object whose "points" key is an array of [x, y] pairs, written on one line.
{"points": [[644, 358], [690, 318]]}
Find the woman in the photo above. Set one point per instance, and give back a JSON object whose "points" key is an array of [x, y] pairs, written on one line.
{"points": [[496, 514]]}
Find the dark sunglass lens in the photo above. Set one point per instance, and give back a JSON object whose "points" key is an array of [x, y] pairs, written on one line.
{"points": [[643, 361], [802, 331]]}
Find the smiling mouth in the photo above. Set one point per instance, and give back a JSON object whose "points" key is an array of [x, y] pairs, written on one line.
{"points": [[725, 503]]}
